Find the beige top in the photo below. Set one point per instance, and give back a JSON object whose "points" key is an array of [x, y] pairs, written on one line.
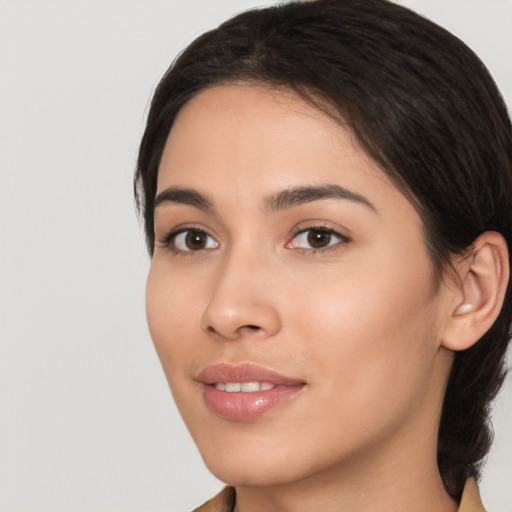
{"points": [[225, 500]]}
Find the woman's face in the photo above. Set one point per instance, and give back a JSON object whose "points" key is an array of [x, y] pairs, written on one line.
{"points": [[291, 298]]}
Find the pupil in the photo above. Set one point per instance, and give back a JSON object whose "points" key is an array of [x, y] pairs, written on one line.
{"points": [[195, 240], [318, 239]]}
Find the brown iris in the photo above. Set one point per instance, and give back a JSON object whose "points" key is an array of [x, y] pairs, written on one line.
{"points": [[195, 240], [318, 238]]}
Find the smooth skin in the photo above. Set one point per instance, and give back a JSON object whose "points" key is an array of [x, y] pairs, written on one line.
{"points": [[337, 291]]}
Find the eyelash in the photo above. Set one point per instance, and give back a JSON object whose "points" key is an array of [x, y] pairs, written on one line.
{"points": [[170, 239]]}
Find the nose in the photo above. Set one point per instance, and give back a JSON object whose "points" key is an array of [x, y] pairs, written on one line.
{"points": [[241, 302]]}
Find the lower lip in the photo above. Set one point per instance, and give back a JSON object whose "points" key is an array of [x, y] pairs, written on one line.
{"points": [[247, 406]]}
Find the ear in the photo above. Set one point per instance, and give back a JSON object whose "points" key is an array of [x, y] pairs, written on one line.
{"points": [[477, 296]]}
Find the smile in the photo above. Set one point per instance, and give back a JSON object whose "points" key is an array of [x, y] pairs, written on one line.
{"points": [[246, 392]]}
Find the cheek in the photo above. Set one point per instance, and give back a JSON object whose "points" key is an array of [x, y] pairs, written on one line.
{"points": [[372, 330], [170, 309]]}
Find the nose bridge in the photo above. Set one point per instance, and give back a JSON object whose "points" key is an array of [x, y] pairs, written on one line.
{"points": [[241, 298]]}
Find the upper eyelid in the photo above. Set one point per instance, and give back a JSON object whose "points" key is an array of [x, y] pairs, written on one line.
{"points": [[332, 231], [170, 233], [324, 225], [320, 228]]}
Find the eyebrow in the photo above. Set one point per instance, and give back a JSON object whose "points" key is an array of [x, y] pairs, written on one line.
{"points": [[186, 196], [300, 195], [282, 200]]}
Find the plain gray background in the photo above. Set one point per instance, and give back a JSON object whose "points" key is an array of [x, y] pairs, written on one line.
{"points": [[87, 422]]}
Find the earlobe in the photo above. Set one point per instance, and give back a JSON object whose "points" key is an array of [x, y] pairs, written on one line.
{"points": [[463, 308], [479, 294]]}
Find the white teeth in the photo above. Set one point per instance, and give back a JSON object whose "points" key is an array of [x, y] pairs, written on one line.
{"points": [[245, 387], [250, 387]]}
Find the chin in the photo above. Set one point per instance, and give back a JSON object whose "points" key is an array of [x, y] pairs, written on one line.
{"points": [[247, 474], [262, 462], [249, 464]]}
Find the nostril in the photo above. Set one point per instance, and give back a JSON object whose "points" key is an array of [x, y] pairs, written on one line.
{"points": [[210, 329]]}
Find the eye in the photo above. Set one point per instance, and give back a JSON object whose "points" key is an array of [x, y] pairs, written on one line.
{"points": [[188, 240], [317, 239]]}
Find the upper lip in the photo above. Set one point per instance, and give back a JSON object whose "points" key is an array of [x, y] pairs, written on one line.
{"points": [[224, 372]]}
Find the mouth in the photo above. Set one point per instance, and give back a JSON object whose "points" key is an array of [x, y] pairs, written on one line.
{"points": [[246, 392]]}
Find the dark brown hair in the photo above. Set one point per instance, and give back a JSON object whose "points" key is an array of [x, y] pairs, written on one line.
{"points": [[422, 105]]}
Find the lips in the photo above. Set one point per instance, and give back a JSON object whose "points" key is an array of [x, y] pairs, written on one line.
{"points": [[245, 392]]}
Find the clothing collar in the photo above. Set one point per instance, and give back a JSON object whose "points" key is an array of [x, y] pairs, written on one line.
{"points": [[471, 501], [225, 500]]}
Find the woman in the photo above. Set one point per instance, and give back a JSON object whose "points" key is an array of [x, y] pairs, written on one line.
{"points": [[326, 189]]}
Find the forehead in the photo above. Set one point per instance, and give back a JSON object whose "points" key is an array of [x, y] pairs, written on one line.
{"points": [[245, 132]]}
